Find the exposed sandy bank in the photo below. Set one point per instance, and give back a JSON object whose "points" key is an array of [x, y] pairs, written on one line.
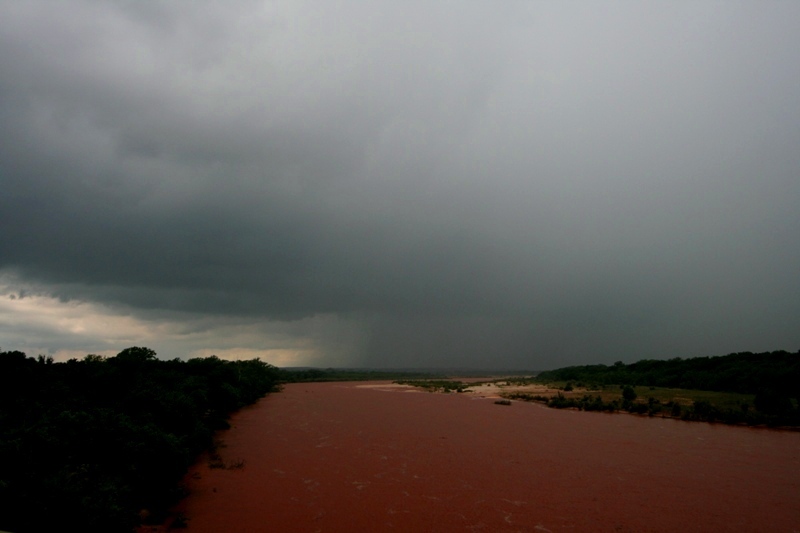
{"points": [[479, 390]]}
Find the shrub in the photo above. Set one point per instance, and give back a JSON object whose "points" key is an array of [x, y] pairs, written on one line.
{"points": [[628, 393]]}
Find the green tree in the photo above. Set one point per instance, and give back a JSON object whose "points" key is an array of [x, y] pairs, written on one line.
{"points": [[136, 353], [628, 394]]}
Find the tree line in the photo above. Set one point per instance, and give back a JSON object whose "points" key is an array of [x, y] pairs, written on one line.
{"points": [[101, 444], [773, 377]]}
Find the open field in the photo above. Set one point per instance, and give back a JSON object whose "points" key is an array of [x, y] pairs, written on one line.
{"points": [[388, 457]]}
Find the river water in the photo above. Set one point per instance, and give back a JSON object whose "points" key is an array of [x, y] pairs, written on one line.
{"points": [[333, 457]]}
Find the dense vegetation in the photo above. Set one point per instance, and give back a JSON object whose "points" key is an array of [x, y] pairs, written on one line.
{"points": [[744, 372], [101, 444], [772, 378]]}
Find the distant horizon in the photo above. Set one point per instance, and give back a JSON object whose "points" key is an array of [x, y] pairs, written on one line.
{"points": [[450, 370]]}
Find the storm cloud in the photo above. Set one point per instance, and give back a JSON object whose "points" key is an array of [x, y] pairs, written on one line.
{"points": [[462, 184]]}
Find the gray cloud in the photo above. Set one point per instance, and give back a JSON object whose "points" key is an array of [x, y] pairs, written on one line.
{"points": [[525, 184]]}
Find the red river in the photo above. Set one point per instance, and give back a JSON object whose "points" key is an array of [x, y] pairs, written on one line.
{"points": [[333, 457]]}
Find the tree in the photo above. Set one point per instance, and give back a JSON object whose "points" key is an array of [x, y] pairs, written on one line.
{"points": [[135, 353], [628, 393]]}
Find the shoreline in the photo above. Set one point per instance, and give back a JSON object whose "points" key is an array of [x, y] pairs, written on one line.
{"points": [[506, 392]]}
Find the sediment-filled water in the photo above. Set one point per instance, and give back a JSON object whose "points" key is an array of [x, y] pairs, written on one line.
{"points": [[335, 457]]}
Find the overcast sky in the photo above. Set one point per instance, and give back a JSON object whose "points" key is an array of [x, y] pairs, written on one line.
{"points": [[400, 184]]}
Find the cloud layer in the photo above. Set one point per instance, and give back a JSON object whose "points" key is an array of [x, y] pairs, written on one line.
{"points": [[416, 184]]}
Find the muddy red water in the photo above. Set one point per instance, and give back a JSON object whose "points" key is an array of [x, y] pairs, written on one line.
{"points": [[343, 457]]}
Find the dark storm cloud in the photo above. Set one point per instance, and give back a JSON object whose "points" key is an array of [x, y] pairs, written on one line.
{"points": [[524, 184]]}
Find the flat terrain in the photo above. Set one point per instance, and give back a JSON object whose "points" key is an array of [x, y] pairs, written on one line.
{"points": [[382, 457]]}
